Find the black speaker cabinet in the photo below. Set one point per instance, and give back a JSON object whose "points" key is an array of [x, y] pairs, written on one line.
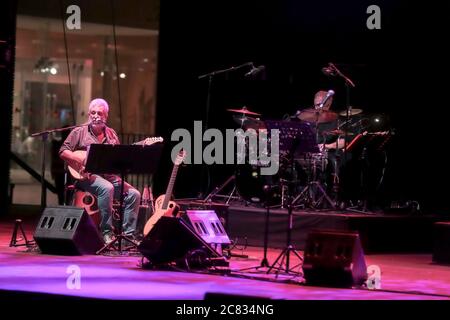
{"points": [[335, 259], [441, 242], [66, 230], [172, 240]]}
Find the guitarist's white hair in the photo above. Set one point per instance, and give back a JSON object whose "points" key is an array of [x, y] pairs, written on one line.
{"points": [[99, 102]]}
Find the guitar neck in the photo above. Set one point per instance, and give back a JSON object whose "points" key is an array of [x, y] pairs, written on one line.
{"points": [[170, 187]]}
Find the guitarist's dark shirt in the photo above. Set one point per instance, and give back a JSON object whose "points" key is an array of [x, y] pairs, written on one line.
{"points": [[82, 137]]}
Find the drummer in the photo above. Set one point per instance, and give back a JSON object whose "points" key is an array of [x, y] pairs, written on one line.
{"points": [[328, 136], [330, 139]]}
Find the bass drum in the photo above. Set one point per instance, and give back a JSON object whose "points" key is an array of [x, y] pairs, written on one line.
{"points": [[256, 188]]}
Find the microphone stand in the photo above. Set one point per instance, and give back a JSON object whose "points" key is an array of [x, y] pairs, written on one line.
{"points": [[210, 76], [44, 136], [348, 84]]}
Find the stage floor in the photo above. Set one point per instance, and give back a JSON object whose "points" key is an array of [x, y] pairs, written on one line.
{"points": [[403, 277]]}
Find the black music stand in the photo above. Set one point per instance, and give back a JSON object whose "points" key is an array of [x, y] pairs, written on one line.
{"points": [[122, 159], [361, 147], [295, 138]]}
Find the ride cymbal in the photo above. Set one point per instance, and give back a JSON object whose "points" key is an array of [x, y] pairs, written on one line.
{"points": [[317, 115]]}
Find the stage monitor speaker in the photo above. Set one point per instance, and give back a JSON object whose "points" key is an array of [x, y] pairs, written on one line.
{"points": [[208, 226], [172, 240], [67, 230], [334, 258], [441, 243]]}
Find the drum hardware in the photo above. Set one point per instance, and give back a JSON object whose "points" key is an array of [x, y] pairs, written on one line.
{"points": [[215, 192], [246, 178], [351, 112]]}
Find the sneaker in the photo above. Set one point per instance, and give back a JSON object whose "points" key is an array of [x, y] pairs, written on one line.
{"points": [[108, 238]]}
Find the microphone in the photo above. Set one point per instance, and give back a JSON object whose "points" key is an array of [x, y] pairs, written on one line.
{"points": [[328, 96], [330, 70], [255, 71]]}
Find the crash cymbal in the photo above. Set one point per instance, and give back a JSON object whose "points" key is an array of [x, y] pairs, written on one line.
{"points": [[244, 110], [317, 115], [351, 113]]}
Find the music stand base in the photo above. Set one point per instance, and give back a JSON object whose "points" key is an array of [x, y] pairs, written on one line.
{"points": [[118, 239], [285, 255]]}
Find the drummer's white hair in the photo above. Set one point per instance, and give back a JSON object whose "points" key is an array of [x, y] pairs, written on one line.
{"points": [[99, 102]]}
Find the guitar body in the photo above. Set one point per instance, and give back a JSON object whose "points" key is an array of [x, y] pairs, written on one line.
{"points": [[170, 211], [84, 199], [77, 173]]}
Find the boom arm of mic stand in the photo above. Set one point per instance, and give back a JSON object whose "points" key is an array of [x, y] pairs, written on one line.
{"points": [[225, 70], [347, 80]]}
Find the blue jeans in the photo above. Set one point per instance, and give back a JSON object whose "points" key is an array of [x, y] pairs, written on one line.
{"points": [[106, 190]]}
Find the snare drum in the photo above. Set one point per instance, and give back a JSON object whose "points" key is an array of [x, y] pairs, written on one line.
{"points": [[314, 164]]}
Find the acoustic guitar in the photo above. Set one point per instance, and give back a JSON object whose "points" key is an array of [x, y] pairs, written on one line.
{"points": [[163, 205]]}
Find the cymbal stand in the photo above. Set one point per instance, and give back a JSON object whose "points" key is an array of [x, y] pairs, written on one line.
{"points": [[307, 196]]}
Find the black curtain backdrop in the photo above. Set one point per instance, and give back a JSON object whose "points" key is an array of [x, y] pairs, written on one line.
{"points": [[400, 71]]}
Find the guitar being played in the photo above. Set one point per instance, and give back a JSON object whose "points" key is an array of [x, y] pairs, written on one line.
{"points": [[105, 187]]}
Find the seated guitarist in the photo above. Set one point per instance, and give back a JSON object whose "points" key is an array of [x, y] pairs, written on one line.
{"points": [[104, 187]]}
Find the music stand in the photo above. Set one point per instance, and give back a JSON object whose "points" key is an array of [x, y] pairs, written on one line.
{"points": [[296, 138], [361, 147], [122, 159]]}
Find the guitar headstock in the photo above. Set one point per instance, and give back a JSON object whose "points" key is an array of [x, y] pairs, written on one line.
{"points": [[152, 140], [180, 157]]}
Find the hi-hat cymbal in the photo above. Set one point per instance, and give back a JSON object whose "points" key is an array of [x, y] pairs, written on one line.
{"points": [[244, 110], [249, 122], [352, 112], [317, 115]]}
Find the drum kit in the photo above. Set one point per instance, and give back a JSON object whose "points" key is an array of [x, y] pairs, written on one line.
{"points": [[305, 171]]}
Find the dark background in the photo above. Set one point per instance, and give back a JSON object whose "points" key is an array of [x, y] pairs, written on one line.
{"points": [[400, 71]]}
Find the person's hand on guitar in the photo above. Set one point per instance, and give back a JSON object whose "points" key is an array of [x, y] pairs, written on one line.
{"points": [[76, 162]]}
